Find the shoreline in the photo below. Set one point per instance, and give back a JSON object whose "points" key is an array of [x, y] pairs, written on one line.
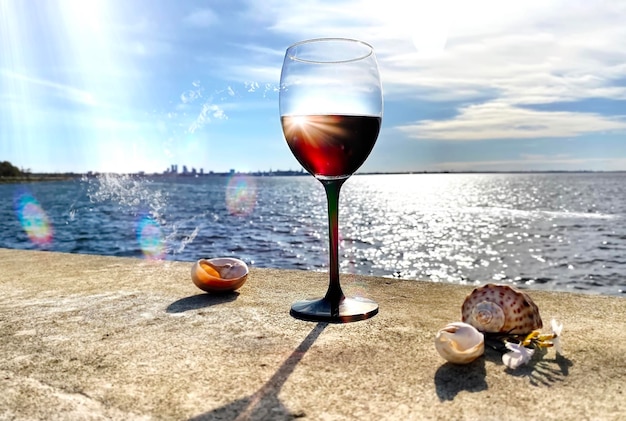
{"points": [[345, 274], [35, 178], [71, 176]]}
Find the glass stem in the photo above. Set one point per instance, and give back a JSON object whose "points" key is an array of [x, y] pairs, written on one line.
{"points": [[334, 294]]}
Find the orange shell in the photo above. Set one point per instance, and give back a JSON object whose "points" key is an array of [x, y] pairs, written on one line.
{"points": [[207, 281], [210, 270], [521, 314]]}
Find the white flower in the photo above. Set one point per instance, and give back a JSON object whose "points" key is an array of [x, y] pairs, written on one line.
{"points": [[556, 329], [518, 356]]}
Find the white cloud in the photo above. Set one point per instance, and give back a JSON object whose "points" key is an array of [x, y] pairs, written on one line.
{"points": [[251, 86], [534, 163], [207, 112], [201, 18], [498, 55], [71, 93], [190, 95], [494, 120]]}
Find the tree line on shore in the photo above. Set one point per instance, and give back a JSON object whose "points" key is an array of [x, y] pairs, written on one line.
{"points": [[9, 170], [9, 173]]}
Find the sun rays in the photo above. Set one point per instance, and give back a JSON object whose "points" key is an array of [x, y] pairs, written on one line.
{"points": [[313, 129]]}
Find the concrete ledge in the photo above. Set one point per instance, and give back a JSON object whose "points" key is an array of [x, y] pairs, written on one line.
{"points": [[93, 337]]}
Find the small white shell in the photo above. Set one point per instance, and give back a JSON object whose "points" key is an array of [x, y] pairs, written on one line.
{"points": [[460, 343]]}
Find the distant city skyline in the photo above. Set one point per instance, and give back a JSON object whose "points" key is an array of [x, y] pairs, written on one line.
{"points": [[192, 171], [124, 87]]}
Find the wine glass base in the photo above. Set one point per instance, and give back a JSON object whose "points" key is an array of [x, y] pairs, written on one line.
{"points": [[322, 310]]}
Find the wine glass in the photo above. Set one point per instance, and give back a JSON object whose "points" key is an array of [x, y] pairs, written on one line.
{"points": [[331, 110]]}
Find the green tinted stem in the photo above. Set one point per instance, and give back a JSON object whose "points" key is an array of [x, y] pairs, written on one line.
{"points": [[334, 294]]}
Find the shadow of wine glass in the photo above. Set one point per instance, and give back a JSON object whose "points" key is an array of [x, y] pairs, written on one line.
{"points": [[450, 379], [264, 404], [198, 301]]}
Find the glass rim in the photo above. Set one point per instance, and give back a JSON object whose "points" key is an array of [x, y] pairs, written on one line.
{"points": [[370, 51]]}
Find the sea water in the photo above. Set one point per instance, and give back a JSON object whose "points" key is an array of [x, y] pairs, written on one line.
{"points": [[555, 231]]}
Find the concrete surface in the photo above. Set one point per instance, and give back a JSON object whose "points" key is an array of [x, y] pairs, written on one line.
{"points": [[91, 337]]}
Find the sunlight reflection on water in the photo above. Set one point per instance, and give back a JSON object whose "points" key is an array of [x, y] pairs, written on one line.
{"points": [[478, 228], [551, 231]]}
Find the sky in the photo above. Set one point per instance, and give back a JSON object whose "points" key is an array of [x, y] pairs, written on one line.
{"points": [[126, 86]]}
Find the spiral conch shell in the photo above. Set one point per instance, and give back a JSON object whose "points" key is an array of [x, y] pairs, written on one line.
{"points": [[460, 343], [501, 309]]}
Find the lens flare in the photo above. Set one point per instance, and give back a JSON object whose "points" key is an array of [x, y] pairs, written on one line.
{"points": [[150, 238], [33, 218], [241, 195], [355, 287]]}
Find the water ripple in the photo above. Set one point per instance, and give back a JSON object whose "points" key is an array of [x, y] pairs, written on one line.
{"points": [[543, 231]]}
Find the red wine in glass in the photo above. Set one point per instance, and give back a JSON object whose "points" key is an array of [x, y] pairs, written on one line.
{"points": [[331, 112], [331, 145]]}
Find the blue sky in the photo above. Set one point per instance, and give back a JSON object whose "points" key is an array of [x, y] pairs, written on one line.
{"points": [[124, 86]]}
